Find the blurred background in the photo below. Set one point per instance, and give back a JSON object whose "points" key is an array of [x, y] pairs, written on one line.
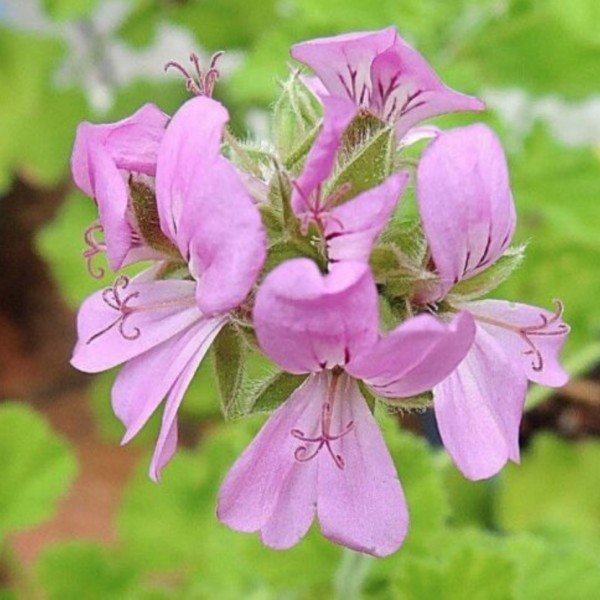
{"points": [[78, 516]]}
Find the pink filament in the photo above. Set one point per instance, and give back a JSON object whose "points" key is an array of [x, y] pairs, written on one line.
{"points": [[94, 247], [302, 453]]}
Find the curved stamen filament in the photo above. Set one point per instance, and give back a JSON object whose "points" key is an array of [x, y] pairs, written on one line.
{"points": [[302, 453], [113, 297], [548, 327], [95, 247]]}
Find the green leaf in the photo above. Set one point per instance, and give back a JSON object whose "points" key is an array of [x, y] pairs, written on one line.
{"points": [[274, 391], [229, 353], [491, 278], [468, 569], [563, 505], [549, 570], [38, 468], [75, 570], [471, 502]]}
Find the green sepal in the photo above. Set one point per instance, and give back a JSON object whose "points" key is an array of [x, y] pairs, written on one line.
{"points": [[143, 203], [491, 278], [284, 250], [418, 402], [295, 121], [364, 161], [229, 351], [274, 391]]}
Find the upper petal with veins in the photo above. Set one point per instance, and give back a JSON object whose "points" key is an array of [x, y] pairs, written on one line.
{"points": [[466, 206]]}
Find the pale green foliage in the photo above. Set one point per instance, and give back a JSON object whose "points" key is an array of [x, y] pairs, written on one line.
{"points": [[565, 504], [38, 468]]}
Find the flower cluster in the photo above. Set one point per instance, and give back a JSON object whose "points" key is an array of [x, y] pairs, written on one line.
{"points": [[301, 249]]}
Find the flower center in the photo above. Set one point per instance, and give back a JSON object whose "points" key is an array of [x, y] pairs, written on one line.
{"points": [[115, 298], [319, 208], [547, 327], [303, 453]]}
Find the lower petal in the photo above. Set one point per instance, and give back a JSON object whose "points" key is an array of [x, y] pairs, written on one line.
{"points": [[167, 438], [267, 489], [478, 409], [361, 505]]}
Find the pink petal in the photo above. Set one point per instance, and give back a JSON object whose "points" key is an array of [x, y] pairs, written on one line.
{"points": [[532, 337], [306, 321], [407, 90], [131, 143], [222, 234], [465, 202], [338, 113], [415, 356], [478, 409], [342, 62], [146, 379], [267, 489], [353, 227], [111, 194], [362, 505], [161, 310], [166, 444], [191, 143]]}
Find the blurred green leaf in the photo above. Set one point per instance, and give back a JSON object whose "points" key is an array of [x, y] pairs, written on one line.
{"points": [[552, 570], [74, 570], [37, 120], [555, 491], [172, 528], [38, 468], [535, 49], [469, 568], [64, 10]]}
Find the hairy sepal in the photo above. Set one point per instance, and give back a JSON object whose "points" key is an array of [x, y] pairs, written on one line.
{"points": [[491, 278]]}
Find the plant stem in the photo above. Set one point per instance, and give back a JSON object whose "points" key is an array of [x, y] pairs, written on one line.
{"points": [[351, 574]]}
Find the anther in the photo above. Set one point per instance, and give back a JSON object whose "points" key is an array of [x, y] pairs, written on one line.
{"points": [[199, 83]]}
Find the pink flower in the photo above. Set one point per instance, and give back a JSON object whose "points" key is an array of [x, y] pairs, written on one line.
{"points": [[380, 72], [162, 328], [469, 218], [321, 453], [351, 228], [104, 157]]}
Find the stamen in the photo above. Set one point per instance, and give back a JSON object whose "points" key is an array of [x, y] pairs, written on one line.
{"points": [[112, 297], [547, 327], [302, 453], [199, 83], [94, 247]]}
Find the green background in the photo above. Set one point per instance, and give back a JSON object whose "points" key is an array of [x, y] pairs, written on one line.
{"points": [[533, 532]]}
